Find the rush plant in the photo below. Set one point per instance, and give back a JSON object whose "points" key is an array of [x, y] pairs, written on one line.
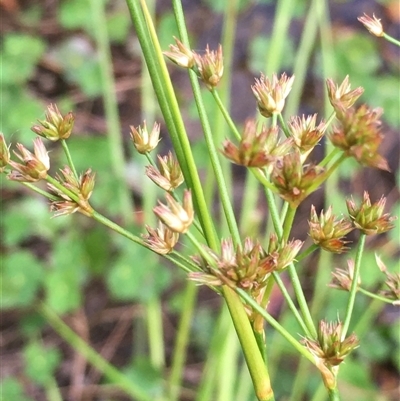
{"points": [[218, 253]]}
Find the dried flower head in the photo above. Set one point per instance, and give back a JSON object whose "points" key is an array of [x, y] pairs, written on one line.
{"points": [[180, 54], [169, 176], [175, 216], [329, 349], [35, 165], [257, 149], [305, 133], [271, 95], [292, 179], [359, 135], [161, 240], [55, 126], [328, 232], [210, 66], [342, 279], [79, 191], [372, 24], [144, 141], [392, 282], [369, 218], [342, 97], [4, 153]]}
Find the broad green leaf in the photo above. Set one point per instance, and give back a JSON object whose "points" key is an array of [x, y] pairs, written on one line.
{"points": [[20, 54], [137, 274], [12, 390], [41, 362], [20, 277]]}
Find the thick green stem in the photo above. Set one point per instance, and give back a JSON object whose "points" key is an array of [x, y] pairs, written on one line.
{"points": [[254, 359], [129, 386]]}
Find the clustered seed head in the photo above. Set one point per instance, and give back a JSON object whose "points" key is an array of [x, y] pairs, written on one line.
{"points": [[372, 24], [305, 133], [341, 96], [246, 267], [34, 166], [369, 218], [342, 279], [169, 175], [329, 349], [392, 282], [271, 95], [257, 149], [4, 153], [161, 240], [210, 66], [180, 54], [144, 141], [328, 232], [81, 189], [293, 179], [175, 216], [359, 135], [55, 126]]}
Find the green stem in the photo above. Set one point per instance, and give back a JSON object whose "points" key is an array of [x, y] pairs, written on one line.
{"points": [[226, 115], [391, 39], [375, 296], [182, 339], [329, 157], [334, 394], [204, 215], [254, 359], [111, 109], [69, 158], [39, 191], [300, 348], [307, 252], [155, 332], [129, 386], [284, 126], [288, 223], [354, 285], [290, 303]]}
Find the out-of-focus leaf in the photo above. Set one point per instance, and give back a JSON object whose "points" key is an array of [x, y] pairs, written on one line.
{"points": [[137, 274], [77, 57], [63, 282], [118, 25], [41, 362], [11, 389], [22, 51], [21, 275], [96, 245], [144, 375], [74, 14]]}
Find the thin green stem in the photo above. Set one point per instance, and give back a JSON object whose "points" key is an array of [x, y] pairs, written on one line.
{"points": [[155, 332], [391, 39], [334, 394], [182, 339], [307, 252], [111, 109], [376, 296], [290, 303], [302, 64], [68, 156], [284, 126], [226, 114], [329, 157], [196, 186], [128, 385], [354, 285], [274, 323], [288, 222], [39, 191]]}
